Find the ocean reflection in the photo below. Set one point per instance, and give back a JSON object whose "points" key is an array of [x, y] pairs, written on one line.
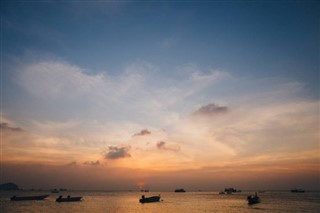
{"points": [[190, 202]]}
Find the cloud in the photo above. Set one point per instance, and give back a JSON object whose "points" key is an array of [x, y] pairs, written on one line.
{"points": [[139, 90], [51, 79], [92, 163], [161, 145], [211, 109], [279, 119], [6, 126], [142, 132], [116, 152], [79, 90]]}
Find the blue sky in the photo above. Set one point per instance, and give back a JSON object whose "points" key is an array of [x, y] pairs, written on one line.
{"points": [[248, 38], [84, 76]]}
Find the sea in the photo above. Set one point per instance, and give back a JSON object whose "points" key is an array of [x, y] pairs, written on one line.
{"points": [[171, 202]]}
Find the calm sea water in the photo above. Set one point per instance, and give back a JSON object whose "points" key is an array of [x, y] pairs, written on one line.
{"points": [[189, 202]]}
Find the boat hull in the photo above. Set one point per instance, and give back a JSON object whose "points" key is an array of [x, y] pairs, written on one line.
{"points": [[297, 191], [150, 199], [253, 200], [39, 197], [68, 199]]}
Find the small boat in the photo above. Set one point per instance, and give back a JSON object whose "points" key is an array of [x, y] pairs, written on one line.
{"points": [[253, 199], [38, 197], [179, 190], [231, 190], [68, 199], [297, 190], [149, 199]]}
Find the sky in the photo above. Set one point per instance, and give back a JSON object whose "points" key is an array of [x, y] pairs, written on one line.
{"points": [[128, 95]]}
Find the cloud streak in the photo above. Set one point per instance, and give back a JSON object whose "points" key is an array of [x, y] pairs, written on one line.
{"points": [[147, 98], [6, 126], [211, 110], [51, 79]]}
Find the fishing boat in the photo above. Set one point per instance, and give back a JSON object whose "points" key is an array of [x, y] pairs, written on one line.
{"points": [[149, 199], [231, 190], [253, 199], [179, 190], [38, 197], [297, 190], [68, 199]]}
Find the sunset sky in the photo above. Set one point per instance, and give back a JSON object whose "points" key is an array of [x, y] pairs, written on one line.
{"points": [[122, 95]]}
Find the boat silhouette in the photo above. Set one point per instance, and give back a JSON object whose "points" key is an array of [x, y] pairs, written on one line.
{"points": [[68, 199], [149, 199], [20, 198], [253, 199]]}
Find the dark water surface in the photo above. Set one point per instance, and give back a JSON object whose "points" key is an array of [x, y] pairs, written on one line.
{"points": [[189, 202]]}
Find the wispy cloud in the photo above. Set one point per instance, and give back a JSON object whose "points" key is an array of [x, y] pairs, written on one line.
{"points": [[116, 152], [211, 109], [6, 126], [51, 79], [139, 90], [100, 109]]}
